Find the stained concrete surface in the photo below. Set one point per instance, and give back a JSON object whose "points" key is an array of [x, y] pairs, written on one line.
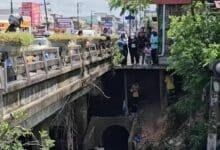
{"points": [[149, 121]]}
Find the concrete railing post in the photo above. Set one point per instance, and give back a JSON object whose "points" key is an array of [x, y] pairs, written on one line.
{"points": [[27, 72], [45, 61], [59, 57], [5, 76], [1, 106], [2, 88]]}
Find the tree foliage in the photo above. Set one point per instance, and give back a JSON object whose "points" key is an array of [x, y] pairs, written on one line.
{"points": [[132, 6], [10, 137], [196, 44], [117, 56], [16, 38]]}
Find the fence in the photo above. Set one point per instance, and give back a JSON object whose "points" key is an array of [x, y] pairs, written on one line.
{"points": [[30, 65]]}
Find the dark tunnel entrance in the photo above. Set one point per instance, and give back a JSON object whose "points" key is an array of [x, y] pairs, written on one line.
{"points": [[113, 85], [115, 138]]}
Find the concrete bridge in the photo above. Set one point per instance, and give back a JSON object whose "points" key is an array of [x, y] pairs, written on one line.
{"points": [[46, 81], [39, 87]]}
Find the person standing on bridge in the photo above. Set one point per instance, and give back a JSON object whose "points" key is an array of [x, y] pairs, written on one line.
{"points": [[132, 44], [147, 52], [123, 46], [142, 39], [8, 65], [154, 47]]}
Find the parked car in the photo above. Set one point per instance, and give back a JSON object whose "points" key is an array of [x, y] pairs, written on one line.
{"points": [[40, 43]]}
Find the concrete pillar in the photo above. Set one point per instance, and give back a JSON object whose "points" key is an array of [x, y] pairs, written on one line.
{"points": [[1, 107], [81, 113], [163, 97]]}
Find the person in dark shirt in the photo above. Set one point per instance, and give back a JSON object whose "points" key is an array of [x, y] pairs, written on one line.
{"points": [[132, 44], [141, 44]]}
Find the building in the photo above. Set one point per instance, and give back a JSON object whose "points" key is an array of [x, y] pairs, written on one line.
{"points": [[32, 10], [111, 23]]}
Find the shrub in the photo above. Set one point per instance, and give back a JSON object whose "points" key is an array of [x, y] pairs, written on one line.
{"points": [[117, 56], [16, 38], [197, 136], [180, 111], [61, 37], [10, 137]]}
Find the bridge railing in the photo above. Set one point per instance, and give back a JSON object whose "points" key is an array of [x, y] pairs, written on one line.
{"points": [[33, 64]]}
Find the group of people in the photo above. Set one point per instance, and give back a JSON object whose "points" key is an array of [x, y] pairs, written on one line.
{"points": [[144, 46]]}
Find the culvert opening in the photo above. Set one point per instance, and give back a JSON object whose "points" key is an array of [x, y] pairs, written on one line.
{"points": [[113, 85], [115, 138]]}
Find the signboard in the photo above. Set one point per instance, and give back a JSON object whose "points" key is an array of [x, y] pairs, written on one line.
{"points": [[174, 2], [4, 25], [33, 10], [64, 23], [130, 17], [108, 24]]}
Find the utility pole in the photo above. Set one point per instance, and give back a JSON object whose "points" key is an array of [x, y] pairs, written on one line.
{"points": [[77, 5], [12, 10], [91, 20], [123, 22], [46, 16]]}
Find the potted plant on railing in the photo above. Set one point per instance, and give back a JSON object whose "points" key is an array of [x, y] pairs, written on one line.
{"points": [[61, 40], [14, 43]]}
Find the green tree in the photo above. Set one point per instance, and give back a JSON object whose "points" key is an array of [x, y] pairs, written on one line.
{"points": [[132, 6], [196, 44], [10, 137]]}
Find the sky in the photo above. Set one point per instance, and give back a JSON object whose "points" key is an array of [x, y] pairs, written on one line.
{"points": [[68, 7]]}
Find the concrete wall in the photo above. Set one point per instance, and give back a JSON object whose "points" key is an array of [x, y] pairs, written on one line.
{"points": [[43, 95]]}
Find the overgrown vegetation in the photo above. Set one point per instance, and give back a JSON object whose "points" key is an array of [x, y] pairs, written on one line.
{"points": [[10, 137], [197, 136], [196, 39], [132, 6], [69, 37], [117, 56], [16, 38]]}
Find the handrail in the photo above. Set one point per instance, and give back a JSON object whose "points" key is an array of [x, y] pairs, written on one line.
{"points": [[31, 62]]}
